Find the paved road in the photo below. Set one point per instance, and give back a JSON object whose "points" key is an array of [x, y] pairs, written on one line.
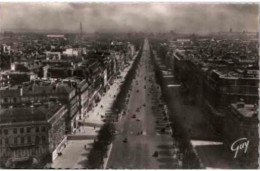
{"points": [[137, 153], [190, 116]]}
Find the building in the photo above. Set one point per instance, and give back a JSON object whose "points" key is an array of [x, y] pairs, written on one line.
{"points": [[53, 55], [26, 66], [58, 69], [55, 36], [82, 92], [40, 91], [6, 49], [31, 133], [13, 78], [72, 52], [241, 121], [207, 72]]}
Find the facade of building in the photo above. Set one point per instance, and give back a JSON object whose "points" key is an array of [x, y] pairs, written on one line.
{"points": [[41, 91], [31, 133], [11, 78], [241, 126], [204, 78]]}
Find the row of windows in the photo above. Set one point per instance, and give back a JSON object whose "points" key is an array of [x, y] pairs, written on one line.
{"points": [[21, 140], [14, 100], [250, 133], [22, 130], [24, 99]]}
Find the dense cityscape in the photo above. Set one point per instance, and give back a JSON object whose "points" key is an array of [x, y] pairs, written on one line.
{"points": [[129, 100], [218, 77], [49, 83]]}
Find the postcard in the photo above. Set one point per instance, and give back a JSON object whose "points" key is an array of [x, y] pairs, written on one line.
{"points": [[129, 85]]}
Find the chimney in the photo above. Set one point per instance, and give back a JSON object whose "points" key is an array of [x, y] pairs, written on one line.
{"points": [[45, 71], [10, 109], [21, 91], [32, 109]]}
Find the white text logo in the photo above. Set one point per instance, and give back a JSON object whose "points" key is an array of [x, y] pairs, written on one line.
{"points": [[240, 144]]}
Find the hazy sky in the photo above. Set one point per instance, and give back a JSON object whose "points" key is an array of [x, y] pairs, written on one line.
{"points": [[124, 17]]}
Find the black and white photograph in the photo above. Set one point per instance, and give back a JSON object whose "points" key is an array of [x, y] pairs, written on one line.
{"points": [[129, 85]]}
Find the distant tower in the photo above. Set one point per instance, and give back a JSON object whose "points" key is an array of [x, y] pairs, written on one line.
{"points": [[81, 32], [80, 38]]}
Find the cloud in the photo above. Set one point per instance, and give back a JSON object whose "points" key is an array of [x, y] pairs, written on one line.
{"points": [[124, 17]]}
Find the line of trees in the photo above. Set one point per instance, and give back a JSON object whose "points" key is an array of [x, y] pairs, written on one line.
{"points": [[107, 132], [100, 146], [180, 134]]}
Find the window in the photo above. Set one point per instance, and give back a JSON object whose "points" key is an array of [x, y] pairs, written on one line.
{"points": [[15, 100], [245, 132], [43, 129], [21, 130], [28, 130], [15, 130], [29, 139], [0, 142], [6, 141], [37, 140], [5, 131], [43, 139], [0, 131], [5, 100], [15, 140], [22, 140], [37, 129]]}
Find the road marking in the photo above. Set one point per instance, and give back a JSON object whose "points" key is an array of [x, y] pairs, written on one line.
{"points": [[168, 76], [106, 159], [174, 85]]}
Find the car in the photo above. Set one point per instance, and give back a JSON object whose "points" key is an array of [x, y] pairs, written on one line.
{"points": [[155, 154], [125, 140], [163, 130]]}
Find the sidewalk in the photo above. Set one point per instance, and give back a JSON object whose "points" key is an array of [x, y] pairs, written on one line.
{"points": [[95, 116], [74, 155]]}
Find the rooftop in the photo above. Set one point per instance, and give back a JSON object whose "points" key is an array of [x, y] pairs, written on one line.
{"points": [[37, 87], [245, 110], [231, 59], [47, 87], [43, 112], [55, 36]]}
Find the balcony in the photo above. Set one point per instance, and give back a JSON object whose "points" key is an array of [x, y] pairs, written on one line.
{"points": [[21, 145], [19, 159]]}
